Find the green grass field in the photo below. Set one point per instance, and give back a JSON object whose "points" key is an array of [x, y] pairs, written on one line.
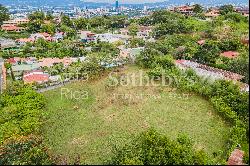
{"points": [[92, 126]]}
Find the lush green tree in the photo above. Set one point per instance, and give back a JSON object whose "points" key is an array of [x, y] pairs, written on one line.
{"points": [[49, 16], [118, 21], [49, 28], [230, 44], [36, 20], [136, 42], [225, 9], [236, 17], [70, 32], [170, 27], [198, 8], [35, 26], [153, 148], [145, 21], [21, 113], [4, 14], [37, 15], [133, 29], [207, 53], [162, 16], [230, 94], [148, 57], [240, 65], [66, 21], [80, 23]]}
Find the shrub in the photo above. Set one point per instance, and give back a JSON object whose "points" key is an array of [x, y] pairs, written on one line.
{"points": [[25, 150], [153, 148]]}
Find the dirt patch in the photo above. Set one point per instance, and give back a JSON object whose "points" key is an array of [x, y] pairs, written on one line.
{"points": [[80, 141]]}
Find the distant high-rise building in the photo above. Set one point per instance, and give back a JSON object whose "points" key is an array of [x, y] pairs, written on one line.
{"points": [[116, 4]]}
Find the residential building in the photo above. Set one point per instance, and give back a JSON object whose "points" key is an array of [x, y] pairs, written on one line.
{"points": [[49, 62], [111, 38], [124, 31], [186, 10], [130, 53], [144, 32], [19, 69], [243, 10], [86, 36], [23, 41], [12, 28], [6, 43], [36, 76], [43, 35], [212, 13], [16, 21], [58, 36]]}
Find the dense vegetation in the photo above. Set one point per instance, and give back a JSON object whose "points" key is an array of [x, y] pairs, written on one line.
{"points": [[152, 148], [21, 117], [4, 15]]}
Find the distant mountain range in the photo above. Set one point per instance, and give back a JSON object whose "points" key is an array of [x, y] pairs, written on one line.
{"points": [[106, 2]]}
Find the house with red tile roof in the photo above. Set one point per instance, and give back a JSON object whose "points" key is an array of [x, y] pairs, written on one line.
{"points": [[43, 35], [236, 158], [48, 62], [86, 36], [213, 13], [16, 21], [230, 54], [243, 10], [36, 76], [12, 28], [23, 41], [144, 32], [187, 10], [11, 61]]}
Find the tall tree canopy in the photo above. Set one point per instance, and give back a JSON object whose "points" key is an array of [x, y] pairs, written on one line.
{"points": [[4, 14], [225, 9]]}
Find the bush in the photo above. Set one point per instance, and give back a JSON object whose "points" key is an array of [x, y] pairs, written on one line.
{"points": [[152, 148], [21, 113], [25, 150]]}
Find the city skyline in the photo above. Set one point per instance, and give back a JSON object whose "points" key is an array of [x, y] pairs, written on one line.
{"points": [[75, 2]]}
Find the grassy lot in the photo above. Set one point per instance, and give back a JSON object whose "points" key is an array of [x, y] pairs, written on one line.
{"points": [[92, 126]]}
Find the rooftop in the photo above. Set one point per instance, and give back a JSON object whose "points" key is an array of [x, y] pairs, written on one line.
{"points": [[236, 158], [230, 54]]}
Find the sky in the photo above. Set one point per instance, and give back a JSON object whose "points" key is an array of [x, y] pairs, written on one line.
{"points": [[146, 1], [125, 1]]}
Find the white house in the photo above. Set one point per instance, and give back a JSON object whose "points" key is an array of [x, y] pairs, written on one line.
{"points": [[111, 38]]}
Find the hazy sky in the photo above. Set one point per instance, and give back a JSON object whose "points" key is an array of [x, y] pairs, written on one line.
{"points": [[125, 1], [184, 1]]}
